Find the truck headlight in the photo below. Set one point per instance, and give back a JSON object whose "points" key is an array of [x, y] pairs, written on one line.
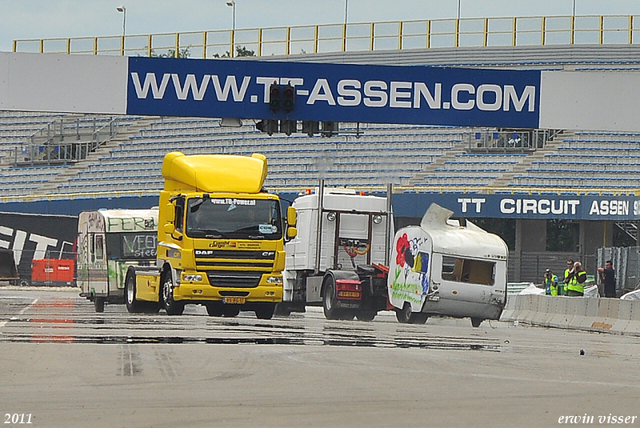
{"points": [[274, 280], [192, 277]]}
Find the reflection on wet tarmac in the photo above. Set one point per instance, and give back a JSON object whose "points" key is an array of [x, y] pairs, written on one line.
{"points": [[73, 321]]}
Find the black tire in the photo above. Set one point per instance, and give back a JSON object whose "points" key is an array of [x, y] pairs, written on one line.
{"points": [[329, 301], [133, 305], [171, 306], [404, 315], [98, 304], [346, 314], [366, 315], [419, 318], [266, 311], [475, 322], [214, 309], [151, 307]]}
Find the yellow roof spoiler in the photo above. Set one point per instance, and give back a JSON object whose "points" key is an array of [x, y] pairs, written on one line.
{"points": [[214, 173]]}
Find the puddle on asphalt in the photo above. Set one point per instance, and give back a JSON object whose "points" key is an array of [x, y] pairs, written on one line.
{"points": [[300, 340]]}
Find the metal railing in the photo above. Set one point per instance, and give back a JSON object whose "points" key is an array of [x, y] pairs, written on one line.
{"points": [[509, 140], [374, 36], [64, 140]]}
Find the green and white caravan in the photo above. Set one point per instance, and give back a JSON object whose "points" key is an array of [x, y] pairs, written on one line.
{"points": [[447, 267], [109, 241]]}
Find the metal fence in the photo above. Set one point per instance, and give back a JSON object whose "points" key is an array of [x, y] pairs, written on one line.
{"points": [[65, 140], [509, 140], [352, 37], [626, 262]]}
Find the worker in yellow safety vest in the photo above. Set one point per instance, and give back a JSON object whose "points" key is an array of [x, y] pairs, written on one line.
{"points": [[550, 283], [574, 280]]}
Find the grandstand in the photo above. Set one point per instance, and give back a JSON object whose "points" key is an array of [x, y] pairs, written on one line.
{"points": [[422, 158]]}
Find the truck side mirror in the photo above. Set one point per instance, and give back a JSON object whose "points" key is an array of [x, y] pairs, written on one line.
{"points": [[292, 217], [169, 228], [170, 213], [292, 232]]}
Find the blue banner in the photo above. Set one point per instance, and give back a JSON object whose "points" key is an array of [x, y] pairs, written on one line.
{"points": [[521, 206], [335, 92]]}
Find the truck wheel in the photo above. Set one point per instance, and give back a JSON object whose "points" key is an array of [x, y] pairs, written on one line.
{"points": [[133, 305], [475, 322], [329, 302], [265, 312], [366, 315], [98, 304], [171, 306]]}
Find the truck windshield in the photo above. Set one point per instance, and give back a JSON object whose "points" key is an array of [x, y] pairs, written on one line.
{"points": [[233, 218]]}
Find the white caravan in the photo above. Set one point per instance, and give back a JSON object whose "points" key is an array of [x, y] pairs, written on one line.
{"points": [[109, 241], [443, 267]]}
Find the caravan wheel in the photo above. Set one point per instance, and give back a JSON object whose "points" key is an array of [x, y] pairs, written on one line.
{"points": [[98, 304], [404, 315]]}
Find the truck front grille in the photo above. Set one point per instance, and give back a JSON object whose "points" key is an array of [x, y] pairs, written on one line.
{"points": [[234, 279], [212, 259]]}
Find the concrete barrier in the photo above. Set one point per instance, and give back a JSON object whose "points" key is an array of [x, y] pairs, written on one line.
{"points": [[591, 314], [634, 325], [586, 311], [509, 309], [560, 316], [542, 306]]}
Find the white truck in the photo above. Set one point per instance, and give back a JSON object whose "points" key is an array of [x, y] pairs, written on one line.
{"points": [[442, 267], [346, 271]]}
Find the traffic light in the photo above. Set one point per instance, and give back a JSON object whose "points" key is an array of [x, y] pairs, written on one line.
{"points": [[288, 97], [288, 126], [267, 125], [310, 127], [274, 97]]}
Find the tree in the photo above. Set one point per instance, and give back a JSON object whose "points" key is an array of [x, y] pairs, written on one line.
{"points": [[240, 51], [171, 53]]}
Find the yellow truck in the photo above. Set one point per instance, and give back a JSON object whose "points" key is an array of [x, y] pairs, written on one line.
{"points": [[220, 239]]}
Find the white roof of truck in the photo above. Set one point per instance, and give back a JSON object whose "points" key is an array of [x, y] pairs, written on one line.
{"points": [[342, 200]]}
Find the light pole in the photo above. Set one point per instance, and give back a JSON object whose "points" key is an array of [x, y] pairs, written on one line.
{"points": [[573, 10], [232, 3], [346, 9], [458, 10], [123, 10]]}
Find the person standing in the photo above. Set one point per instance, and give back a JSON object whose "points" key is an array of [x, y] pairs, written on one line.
{"points": [[575, 279], [608, 279], [550, 283], [563, 286]]}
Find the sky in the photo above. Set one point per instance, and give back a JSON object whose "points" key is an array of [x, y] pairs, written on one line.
{"points": [[38, 19]]}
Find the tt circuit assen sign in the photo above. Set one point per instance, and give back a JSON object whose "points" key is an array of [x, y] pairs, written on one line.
{"points": [[524, 206], [334, 92]]}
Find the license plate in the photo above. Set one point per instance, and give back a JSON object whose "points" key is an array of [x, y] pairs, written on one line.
{"points": [[347, 294], [234, 300]]}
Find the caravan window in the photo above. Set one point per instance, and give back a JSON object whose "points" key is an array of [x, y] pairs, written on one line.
{"points": [[99, 247], [468, 270]]}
